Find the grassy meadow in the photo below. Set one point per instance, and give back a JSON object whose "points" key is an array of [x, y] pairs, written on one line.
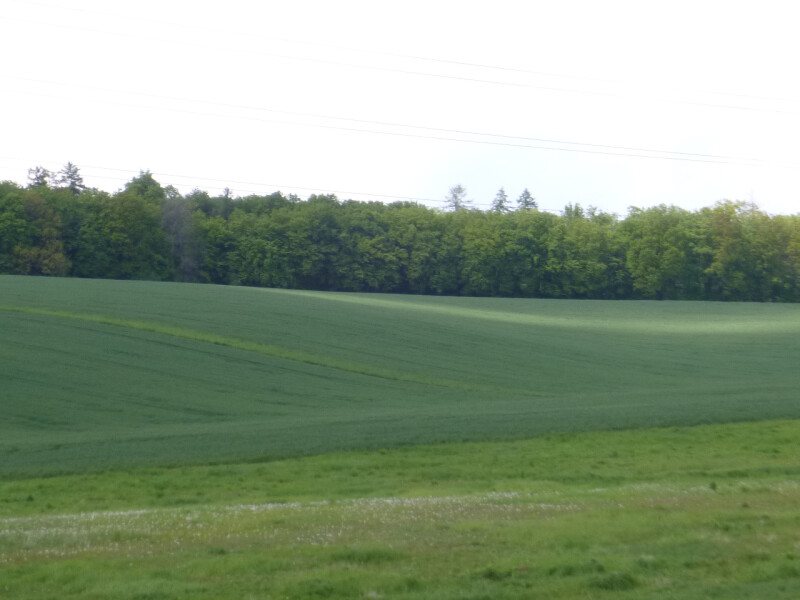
{"points": [[182, 441], [699, 512]]}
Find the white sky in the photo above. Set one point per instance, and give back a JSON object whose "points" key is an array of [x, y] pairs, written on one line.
{"points": [[321, 96]]}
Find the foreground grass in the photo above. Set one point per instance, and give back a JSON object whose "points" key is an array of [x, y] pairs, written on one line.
{"points": [[668, 513]]}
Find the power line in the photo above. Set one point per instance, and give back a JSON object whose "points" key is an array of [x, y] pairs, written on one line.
{"points": [[440, 76], [322, 61], [493, 67], [242, 33], [589, 148], [373, 122]]}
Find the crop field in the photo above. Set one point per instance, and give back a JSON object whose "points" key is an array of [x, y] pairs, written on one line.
{"points": [[164, 441], [103, 374]]}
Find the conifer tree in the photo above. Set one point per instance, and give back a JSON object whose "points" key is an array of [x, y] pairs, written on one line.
{"points": [[456, 198], [70, 178], [526, 201], [500, 202]]}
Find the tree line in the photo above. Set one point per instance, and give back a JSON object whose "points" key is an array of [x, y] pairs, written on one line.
{"points": [[730, 251]]}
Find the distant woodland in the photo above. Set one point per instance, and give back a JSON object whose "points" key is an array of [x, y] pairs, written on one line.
{"points": [[731, 251]]}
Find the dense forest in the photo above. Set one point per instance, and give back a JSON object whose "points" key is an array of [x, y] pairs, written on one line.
{"points": [[730, 251]]}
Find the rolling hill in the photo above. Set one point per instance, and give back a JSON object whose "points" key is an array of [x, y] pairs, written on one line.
{"points": [[111, 374]]}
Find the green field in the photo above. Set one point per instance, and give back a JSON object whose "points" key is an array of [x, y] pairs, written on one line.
{"points": [[181, 441], [101, 374], [700, 512]]}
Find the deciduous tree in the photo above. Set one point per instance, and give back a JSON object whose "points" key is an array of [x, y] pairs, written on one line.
{"points": [[39, 177]]}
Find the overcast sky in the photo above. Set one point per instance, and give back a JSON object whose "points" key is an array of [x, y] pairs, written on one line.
{"points": [[611, 104]]}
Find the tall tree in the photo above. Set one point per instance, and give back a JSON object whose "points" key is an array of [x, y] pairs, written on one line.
{"points": [[659, 251], [177, 223], [70, 178], [39, 177], [45, 253], [500, 202], [133, 224], [456, 198], [145, 186], [526, 201], [16, 227]]}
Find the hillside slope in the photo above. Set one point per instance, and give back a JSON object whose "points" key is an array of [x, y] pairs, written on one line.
{"points": [[104, 374]]}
